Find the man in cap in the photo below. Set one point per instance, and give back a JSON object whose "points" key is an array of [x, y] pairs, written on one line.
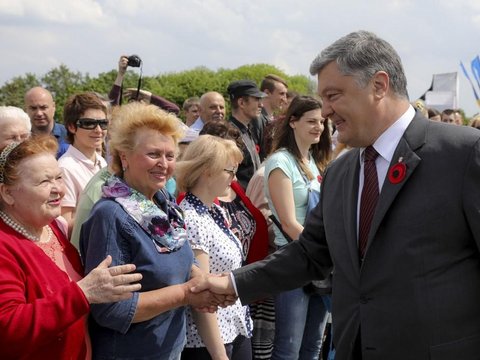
{"points": [[246, 100]]}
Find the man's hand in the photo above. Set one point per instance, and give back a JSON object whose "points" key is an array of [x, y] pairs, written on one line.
{"points": [[219, 284]]}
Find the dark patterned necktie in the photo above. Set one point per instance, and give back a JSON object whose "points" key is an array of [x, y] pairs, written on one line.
{"points": [[369, 199]]}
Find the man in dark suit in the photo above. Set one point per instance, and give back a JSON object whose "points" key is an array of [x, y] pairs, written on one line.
{"points": [[408, 287]]}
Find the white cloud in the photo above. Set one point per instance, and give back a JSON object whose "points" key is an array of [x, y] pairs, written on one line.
{"points": [[54, 11], [174, 35]]}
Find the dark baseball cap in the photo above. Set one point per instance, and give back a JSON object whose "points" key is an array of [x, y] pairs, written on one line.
{"points": [[244, 88]]}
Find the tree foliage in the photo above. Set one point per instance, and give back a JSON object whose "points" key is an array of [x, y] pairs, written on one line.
{"points": [[175, 86]]}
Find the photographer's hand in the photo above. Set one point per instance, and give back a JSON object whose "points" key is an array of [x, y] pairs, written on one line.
{"points": [[122, 64], [122, 69]]}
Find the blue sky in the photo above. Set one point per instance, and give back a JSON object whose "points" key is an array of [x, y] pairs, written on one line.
{"points": [[175, 35]]}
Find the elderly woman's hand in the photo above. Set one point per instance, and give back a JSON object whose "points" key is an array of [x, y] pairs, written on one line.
{"points": [[104, 284]]}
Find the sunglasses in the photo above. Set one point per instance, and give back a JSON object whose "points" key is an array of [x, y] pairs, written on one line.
{"points": [[90, 124]]}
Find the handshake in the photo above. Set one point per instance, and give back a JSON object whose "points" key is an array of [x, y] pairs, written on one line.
{"points": [[207, 292]]}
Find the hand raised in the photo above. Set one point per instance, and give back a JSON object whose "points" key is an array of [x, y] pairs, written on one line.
{"points": [[122, 64], [106, 284]]}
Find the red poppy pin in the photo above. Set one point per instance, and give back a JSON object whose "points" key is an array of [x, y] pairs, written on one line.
{"points": [[257, 148], [397, 172], [319, 178]]}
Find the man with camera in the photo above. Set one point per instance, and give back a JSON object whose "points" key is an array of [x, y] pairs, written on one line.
{"points": [[117, 92]]}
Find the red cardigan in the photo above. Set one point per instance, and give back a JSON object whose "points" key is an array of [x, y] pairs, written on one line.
{"points": [[42, 312], [259, 245]]}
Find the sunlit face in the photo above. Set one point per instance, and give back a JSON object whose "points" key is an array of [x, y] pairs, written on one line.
{"points": [[192, 114], [252, 107], [221, 181], [458, 118], [34, 200], [351, 108], [151, 163], [84, 139], [278, 98], [13, 130], [40, 108], [309, 127], [212, 107]]}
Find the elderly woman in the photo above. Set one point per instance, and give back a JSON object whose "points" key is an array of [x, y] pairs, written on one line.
{"points": [[15, 125], [205, 172], [137, 222], [43, 298]]}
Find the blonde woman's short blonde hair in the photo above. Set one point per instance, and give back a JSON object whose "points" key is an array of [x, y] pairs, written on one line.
{"points": [[207, 153], [128, 119]]}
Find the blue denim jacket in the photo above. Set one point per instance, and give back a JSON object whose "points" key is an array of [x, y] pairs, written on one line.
{"points": [[111, 231]]}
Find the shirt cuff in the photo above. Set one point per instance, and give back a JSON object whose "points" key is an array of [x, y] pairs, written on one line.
{"points": [[234, 284]]}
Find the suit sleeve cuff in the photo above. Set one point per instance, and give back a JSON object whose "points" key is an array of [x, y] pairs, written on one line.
{"points": [[234, 284]]}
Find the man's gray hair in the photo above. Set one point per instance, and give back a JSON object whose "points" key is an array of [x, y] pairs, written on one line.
{"points": [[13, 112], [362, 54]]}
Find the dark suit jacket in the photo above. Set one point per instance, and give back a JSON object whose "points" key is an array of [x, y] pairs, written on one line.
{"points": [[417, 293]]}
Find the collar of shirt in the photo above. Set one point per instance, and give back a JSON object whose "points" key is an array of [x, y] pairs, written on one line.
{"points": [[199, 206], [386, 144], [239, 125], [80, 157], [198, 124]]}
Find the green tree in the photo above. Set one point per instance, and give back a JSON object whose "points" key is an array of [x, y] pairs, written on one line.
{"points": [[12, 93], [62, 83], [174, 86]]}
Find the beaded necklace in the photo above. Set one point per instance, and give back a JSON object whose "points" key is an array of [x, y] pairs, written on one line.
{"points": [[21, 230]]}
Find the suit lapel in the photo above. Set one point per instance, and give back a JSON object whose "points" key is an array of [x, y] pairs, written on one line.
{"points": [[350, 189], [413, 138]]}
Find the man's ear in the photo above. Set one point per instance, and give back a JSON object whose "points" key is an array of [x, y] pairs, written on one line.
{"points": [[381, 84], [6, 195]]}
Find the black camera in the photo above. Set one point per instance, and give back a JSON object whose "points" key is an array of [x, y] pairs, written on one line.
{"points": [[134, 61]]}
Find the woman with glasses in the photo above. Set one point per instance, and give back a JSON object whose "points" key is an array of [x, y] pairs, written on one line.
{"points": [[246, 221], [207, 169], [85, 118]]}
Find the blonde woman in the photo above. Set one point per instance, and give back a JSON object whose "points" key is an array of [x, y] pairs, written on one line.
{"points": [[205, 172]]}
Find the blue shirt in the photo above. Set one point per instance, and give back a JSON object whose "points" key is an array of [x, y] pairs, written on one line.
{"points": [[60, 134], [111, 231]]}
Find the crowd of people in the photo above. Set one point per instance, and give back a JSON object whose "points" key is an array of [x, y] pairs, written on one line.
{"points": [[343, 225]]}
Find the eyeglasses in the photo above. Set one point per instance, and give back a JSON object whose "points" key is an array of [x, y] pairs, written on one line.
{"points": [[90, 124], [232, 172]]}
